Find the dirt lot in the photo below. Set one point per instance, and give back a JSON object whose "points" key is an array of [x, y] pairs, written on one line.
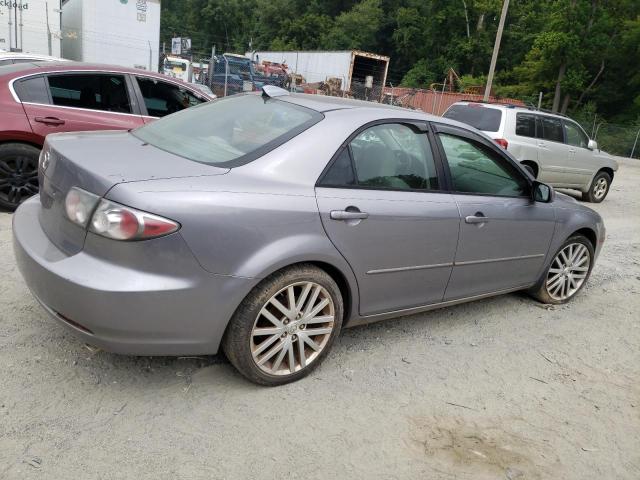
{"points": [[501, 388]]}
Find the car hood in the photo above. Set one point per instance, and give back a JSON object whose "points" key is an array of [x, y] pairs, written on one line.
{"points": [[96, 161]]}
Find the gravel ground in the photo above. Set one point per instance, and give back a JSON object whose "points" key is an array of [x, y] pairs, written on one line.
{"points": [[500, 388]]}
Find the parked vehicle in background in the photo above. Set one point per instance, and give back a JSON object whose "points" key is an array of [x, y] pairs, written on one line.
{"points": [[37, 99], [263, 224], [554, 148], [9, 58], [177, 67]]}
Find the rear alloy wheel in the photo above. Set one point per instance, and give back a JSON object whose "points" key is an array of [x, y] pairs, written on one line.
{"points": [[568, 271], [285, 326], [18, 174], [598, 189]]}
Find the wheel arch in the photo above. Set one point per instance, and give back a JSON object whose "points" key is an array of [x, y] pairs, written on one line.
{"points": [[21, 142], [589, 233], [534, 165]]}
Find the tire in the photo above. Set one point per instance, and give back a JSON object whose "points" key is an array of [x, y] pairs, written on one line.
{"points": [[530, 168], [598, 189], [546, 290], [286, 334], [18, 174]]}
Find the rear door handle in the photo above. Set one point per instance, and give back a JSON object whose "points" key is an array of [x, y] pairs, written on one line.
{"points": [[49, 120], [348, 215], [477, 218]]}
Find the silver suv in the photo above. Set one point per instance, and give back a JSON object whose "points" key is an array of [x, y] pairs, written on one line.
{"points": [[554, 148]]}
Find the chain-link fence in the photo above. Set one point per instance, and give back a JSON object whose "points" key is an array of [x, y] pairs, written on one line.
{"points": [[618, 139]]}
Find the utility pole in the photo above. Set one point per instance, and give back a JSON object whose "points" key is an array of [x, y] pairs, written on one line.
{"points": [[496, 49], [211, 67]]}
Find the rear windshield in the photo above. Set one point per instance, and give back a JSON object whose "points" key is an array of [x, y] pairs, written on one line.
{"points": [[229, 132], [478, 116]]}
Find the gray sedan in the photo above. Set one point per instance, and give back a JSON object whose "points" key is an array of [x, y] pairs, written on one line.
{"points": [[264, 224]]}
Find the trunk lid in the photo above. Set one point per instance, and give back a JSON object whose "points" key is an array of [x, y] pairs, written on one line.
{"points": [[95, 162]]}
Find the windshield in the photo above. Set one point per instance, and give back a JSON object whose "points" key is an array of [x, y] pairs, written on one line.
{"points": [[476, 115], [229, 132]]}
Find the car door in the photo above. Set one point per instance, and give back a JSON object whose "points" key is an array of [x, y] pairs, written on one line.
{"points": [[504, 235], [159, 98], [552, 150], [78, 101], [381, 205], [581, 164]]}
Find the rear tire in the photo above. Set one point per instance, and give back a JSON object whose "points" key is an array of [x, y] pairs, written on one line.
{"points": [[598, 189], [567, 272], [18, 174], [276, 335]]}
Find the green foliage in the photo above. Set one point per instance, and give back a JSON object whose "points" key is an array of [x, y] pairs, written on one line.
{"points": [[588, 51]]}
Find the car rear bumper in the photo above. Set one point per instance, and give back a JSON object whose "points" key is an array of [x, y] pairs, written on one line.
{"points": [[147, 298]]}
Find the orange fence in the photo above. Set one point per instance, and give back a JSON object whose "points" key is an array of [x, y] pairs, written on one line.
{"points": [[432, 101]]}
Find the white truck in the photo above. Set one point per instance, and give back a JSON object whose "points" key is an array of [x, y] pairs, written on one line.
{"points": [[117, 32], [363, 74], [30, 26]]}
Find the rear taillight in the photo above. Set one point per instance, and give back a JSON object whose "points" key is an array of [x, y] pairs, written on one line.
{"points": [[118, 222], [502, 142], [79, 206], [112, 220]]}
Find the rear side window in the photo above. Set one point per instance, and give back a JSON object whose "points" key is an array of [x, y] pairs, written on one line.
{"points": [[32, 90], [478, 116], [163, 98], [94, 92], [526, 125], [389, 156], [229, 132], [552, 129]]}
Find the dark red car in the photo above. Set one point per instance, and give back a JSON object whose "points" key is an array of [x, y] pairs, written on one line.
{"points": [[37, 99]]}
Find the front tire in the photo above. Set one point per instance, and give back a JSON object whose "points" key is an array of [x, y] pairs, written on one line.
{"points": [[286, 326], [18, 174], [567, 273], [598, 189]]}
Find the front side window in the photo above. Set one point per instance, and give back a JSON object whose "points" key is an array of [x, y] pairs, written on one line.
{"points": [[163, 98], [552, 129], [476, 169], [388, 156], [95, 92], [526, 125], [575, 136], [229, 132]]}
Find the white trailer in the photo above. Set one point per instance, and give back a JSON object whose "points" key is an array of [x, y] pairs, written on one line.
{"points": [[118, 32], [30, 26], [357, 70]]}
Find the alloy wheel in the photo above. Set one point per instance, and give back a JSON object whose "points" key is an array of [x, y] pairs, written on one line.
{"points": [[292, 328], [18, 179], [568, 271], [600, 188]]}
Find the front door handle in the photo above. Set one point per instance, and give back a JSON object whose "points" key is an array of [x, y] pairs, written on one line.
{"points": [[348, 215], [477, 218], [49, 120]]}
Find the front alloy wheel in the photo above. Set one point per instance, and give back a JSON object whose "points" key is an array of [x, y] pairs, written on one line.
{"points": [[568, 271], [285, 327]]}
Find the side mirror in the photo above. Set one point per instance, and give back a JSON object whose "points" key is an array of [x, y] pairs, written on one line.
{"points": [[541, 192], [592, 145]]}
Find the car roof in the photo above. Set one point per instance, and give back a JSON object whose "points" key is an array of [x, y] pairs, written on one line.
{"points": [[20, 69], [30, 56], [508, 106], [325, 103]]}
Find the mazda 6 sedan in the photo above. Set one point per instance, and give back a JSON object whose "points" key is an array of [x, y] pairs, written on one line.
{"points": [[263, 224]]}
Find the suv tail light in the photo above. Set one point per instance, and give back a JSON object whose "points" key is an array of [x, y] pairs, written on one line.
{"points": [[113, 220], [502, 142]]}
